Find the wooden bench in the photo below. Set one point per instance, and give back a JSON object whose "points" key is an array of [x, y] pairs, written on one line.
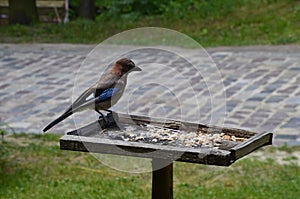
{"points": [[48, 10]]}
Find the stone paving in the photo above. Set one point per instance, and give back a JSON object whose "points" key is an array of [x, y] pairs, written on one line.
{"points": [[254, 88]]}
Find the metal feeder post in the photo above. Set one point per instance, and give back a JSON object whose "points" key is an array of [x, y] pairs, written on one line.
{"points": [[162, 179]]}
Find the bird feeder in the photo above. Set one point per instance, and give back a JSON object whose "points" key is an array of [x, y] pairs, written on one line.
{"points": [[164, 141]]}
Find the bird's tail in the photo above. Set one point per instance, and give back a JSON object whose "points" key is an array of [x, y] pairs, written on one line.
{"points": [[58, 120]]}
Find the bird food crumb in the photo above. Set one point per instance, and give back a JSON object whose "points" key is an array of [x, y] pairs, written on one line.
{"points": [[165, 136]]}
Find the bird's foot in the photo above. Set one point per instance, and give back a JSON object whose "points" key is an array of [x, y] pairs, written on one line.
{"points": [[106, 121], [109, 115], [104, 118], [103, 121]]}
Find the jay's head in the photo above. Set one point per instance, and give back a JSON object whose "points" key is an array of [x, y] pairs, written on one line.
{"points": [[124, 66]]}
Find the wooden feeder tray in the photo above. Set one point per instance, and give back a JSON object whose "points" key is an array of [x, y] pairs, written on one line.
{"points": [[95, 138], [107, 136]]}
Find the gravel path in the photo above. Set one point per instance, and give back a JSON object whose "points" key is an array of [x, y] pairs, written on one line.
{"points": [[254, 88]]}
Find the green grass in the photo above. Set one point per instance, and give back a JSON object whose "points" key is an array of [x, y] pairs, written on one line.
{"points": [[223, 23], [33, 166]]}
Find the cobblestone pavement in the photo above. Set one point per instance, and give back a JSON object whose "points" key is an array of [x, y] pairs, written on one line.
{"points": [[254, 88]]}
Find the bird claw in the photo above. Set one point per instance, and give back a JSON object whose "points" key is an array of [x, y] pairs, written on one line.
{"points": [[104, 119]]}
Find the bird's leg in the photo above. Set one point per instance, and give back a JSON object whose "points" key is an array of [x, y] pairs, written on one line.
{"points": [[101, 115], [110, 112], [110, 117]]}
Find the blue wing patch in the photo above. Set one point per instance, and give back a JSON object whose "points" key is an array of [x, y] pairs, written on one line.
{"points": [[107, 94]]}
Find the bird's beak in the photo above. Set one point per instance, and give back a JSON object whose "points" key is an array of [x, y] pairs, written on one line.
{"points": [[136, 69]]}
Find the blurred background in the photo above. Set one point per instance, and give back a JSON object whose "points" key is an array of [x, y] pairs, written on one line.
{"points": [[212, 23]]}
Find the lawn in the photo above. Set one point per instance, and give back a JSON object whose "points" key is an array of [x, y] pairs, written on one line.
{"points": [[218, 23], [33, 166]]}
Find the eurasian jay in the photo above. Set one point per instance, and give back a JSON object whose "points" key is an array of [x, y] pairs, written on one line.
{"points": [[102, 95]]}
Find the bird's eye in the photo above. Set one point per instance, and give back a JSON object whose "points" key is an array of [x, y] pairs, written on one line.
{"points": [[131, 64]]}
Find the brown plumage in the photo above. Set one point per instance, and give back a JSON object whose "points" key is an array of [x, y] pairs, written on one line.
{"points": [[105, 93]]}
